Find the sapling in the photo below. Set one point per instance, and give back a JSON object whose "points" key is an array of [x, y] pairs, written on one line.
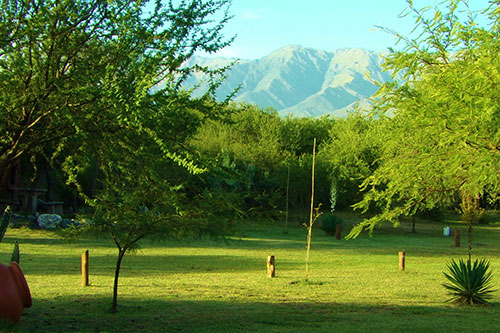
{"points": [[287, 191], [314, 213]]}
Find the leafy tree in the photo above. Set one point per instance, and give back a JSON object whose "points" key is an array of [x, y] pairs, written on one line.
{"points": [[99, 82], [351, 154], [81, 68], [443, 143], [256, 149], [297, 134], [244, 152], [138, 200], [251, 136]]}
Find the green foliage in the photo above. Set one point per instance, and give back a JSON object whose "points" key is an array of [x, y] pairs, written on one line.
{"points": [[351, 154], [444, 136], [470, 210], [71, 71], [328, 223], [297, 134], [252, 152], [434, 214], [251, 136], [468, 283], [95, 87]]}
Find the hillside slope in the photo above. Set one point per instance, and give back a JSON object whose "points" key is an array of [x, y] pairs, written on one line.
{"points": [[302, 81]]}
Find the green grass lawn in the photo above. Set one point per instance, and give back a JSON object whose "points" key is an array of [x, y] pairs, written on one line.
{"points": [[204, 286]]}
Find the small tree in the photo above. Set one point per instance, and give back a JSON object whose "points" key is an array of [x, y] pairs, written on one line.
{"points": [[137, 200], [74, 70], [313, 215], [125, 113], [128, 212]]}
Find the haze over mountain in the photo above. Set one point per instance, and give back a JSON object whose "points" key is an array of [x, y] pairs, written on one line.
{"points": [[302, 81]]}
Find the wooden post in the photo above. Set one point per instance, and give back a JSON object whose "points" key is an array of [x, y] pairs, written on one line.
{"points": [[85, 268], [402, 260], [338, 231], [271, 270], [457, 238]]}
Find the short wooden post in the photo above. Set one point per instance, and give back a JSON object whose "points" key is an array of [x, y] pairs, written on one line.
{"points": [[85, 268], [457, 238], [402, 260], [271, 270], [338, 231]]}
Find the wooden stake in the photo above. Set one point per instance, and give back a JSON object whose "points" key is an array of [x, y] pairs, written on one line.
{"points": [[402, 260], [85, 268], [287, 188], [338, 231], [457, 238], [271, 270], [311, 220]]}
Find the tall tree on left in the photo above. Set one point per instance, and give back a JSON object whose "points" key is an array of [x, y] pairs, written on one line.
{"points": [[72, 69], [101, 82]]}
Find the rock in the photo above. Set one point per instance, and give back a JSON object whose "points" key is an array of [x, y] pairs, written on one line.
{"points": [[49, 221]]}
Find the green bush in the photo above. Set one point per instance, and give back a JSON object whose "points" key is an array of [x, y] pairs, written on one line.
{"points": [[328, 223], [469, 283], [433, 214]]}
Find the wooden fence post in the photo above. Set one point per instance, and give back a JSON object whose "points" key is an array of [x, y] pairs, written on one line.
{"points": [[85, 268], [457, 238], [402, 260], [338, 231], [271, 270]]}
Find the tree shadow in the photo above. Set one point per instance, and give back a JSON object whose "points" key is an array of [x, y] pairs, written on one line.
{"points": [[88, 314]]}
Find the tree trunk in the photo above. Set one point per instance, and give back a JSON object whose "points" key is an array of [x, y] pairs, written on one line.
{"points": [[114, 304], [49, 183], [93, 190], [469, 239], [287, 188], [5, 178]]}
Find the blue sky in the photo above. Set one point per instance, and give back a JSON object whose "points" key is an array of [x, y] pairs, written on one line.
{"points": [[263, 26]]}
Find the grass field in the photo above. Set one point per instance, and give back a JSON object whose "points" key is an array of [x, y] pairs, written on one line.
{"points": [[204, 286]]}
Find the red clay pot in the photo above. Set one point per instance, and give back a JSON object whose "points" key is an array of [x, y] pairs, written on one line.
{"points": [[14, 292]]}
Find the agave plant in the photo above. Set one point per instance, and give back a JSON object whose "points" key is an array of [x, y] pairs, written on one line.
{"points": [[469, 283]]}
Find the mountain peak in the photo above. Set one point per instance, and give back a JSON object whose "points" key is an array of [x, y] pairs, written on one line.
{"points": [[303, 81]]}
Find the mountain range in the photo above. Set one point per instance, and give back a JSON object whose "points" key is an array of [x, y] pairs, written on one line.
{"points": [[301, 81]]}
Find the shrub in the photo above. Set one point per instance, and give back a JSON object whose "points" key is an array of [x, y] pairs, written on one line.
{"points": [[469, 283], [328, 223], [433, 214]]}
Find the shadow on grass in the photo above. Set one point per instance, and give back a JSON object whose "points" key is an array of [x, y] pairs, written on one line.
{"points": [[147, 264], [89, 314]]}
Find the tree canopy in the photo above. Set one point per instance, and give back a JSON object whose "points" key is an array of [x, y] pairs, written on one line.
{"points": [[100, 82], [442, 145], [71, 70]]}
